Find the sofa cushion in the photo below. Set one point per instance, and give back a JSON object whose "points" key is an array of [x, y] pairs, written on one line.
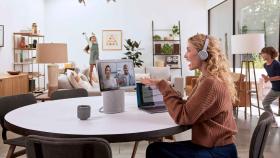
{"points": [[63, 82], [73, 78]]}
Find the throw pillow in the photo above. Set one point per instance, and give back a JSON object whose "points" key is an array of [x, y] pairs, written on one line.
{"points": [[85, 84], [63, 82], [83, 77], [72, 77]]}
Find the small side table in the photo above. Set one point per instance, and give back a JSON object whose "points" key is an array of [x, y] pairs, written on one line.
{"points": [[43, 97]]}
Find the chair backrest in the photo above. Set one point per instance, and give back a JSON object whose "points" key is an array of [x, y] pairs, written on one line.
{"points": [[44, 147], [260, 135], [9, 103], [69, 93]]}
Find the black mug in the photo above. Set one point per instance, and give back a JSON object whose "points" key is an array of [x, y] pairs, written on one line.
{"points": [[83, 112]]}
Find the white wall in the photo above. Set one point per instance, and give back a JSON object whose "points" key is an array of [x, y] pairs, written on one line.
{"points": [[16, 15], [212, 3], [66, 20]]}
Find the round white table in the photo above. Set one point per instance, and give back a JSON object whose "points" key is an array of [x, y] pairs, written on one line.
{"points": [[59, 119]]}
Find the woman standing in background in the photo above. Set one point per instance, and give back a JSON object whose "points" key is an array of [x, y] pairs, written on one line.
{"points": [[92, 49]]}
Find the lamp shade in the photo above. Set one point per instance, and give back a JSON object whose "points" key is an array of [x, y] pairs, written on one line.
{"points": [[52, 53], [247, 43]]}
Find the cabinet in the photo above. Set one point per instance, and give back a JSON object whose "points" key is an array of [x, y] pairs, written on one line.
{"points": [[25, 60], [167, 47], [13, 84]]}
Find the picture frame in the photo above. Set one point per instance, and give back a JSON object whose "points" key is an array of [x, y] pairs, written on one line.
{"points": [[172, 61], [112, 40], [1, 35]]}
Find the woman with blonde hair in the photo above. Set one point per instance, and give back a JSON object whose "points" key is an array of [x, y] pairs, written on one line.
{"points": [[208, 108]]}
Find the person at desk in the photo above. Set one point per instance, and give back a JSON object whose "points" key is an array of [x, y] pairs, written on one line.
{"points": [[109, 82], [208, 108], [126, 79]]}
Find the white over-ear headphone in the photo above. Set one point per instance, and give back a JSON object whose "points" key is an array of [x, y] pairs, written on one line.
{"points": [[203, 54]]}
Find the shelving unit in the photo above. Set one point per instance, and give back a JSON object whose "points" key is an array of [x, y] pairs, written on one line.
{"points": [[173, 59], [25, 60]]}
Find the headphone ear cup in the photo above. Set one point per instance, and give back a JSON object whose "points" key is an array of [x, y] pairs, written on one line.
{"points": [[203, 55]]}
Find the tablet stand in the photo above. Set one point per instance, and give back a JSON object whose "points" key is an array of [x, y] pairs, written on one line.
{"points": [[113, 101]]}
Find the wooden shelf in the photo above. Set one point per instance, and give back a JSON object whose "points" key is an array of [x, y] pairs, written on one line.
{"points": [[175, 43], [23, 63], [162, 29], [27, 54], [25, 48], [28, 34], [167, 54], [166, 40], [34, 74], [175, 68]]}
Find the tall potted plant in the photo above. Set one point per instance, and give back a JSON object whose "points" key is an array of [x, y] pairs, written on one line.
{"points": [[133, 52]]}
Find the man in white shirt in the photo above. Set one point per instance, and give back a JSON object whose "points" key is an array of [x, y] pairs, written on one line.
{"points": [[126, 79]]}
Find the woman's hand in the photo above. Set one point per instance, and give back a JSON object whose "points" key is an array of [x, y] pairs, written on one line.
{"points": [[149, 82]]}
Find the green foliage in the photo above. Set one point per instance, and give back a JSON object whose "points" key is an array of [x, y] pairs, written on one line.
{"points": [[133, 52], [167, 49], [156, 37], [258, 61], [197, 72], [175, 30], [244, 29]]}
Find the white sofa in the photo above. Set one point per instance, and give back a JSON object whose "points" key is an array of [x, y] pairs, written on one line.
{"points": [[66, 82]]}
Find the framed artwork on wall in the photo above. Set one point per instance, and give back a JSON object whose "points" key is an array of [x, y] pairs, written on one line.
{"points": [[1, 35], [112, 40]]}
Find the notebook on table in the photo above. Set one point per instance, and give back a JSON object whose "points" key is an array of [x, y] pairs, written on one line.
{"points": [[149, 99]]}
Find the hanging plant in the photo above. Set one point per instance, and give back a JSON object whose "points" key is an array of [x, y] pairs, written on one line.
{"points": [[175, 30]]}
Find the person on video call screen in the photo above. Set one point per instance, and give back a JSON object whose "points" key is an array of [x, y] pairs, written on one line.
{"points": [[109, 82], [126, 79]]}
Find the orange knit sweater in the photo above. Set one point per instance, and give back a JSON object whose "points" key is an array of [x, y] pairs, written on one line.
{"points": [[208, 109]]}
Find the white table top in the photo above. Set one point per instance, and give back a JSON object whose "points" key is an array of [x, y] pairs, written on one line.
{"points": [[59, 119]]}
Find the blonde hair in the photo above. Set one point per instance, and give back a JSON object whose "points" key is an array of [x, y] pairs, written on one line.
{"points": [[217, 64]]}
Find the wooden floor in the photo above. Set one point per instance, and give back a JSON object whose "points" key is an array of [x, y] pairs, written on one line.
{"points": [[245, 129]]}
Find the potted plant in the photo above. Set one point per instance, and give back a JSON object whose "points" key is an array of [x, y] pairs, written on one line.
{"points": [[156, 37], [133, 52], [167, 49], [175, 30]]}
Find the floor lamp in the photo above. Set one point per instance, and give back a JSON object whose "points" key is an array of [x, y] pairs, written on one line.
{"points": [[52, 53], [246, 45]]}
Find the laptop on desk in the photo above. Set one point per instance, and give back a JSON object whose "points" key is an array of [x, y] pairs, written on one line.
{"points": [[149, 99]]}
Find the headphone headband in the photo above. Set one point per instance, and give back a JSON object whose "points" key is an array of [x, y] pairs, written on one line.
{"points": [[203, 54], [206, 43]]}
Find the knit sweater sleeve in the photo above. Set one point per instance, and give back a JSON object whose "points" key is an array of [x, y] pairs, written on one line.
{"points": [[190, 111]]}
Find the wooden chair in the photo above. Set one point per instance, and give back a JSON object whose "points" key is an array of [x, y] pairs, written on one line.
{"points": [[244, 97], [190, 83], [69, 93], [8, 104], [45, 147]]}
